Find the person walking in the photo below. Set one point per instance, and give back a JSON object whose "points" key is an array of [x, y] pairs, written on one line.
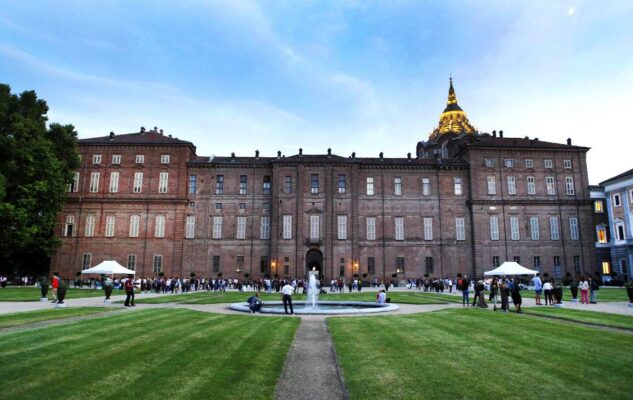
{"points": [[538, 288], [584, 290], [55, 283], [286, 297], [129, 292]]}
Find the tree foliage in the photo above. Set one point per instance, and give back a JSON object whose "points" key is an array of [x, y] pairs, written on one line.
{"points": [[36, 164]]}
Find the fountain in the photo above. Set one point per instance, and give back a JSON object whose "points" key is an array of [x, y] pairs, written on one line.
{"points": [[312, 305]]}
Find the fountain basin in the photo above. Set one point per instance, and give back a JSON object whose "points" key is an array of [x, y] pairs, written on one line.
{"points": [[329, 307]]}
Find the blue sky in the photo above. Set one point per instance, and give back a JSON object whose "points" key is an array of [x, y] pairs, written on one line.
{"points": [[238, 75]]}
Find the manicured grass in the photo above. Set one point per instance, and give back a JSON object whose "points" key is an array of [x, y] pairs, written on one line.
{"points": [[31, 293], [235, 297], [606, 294], [615, 320], [157, 353], [29, 317], [477, 354]]}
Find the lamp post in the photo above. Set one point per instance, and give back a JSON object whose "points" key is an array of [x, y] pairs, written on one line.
{"points": [[355, 266], [273, 265]]}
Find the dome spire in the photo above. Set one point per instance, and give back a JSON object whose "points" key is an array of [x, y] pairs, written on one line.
{"points": [[452, 98]]}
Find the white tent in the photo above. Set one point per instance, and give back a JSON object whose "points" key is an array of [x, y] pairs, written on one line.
{"points": [[109, 267], [510, 268]]}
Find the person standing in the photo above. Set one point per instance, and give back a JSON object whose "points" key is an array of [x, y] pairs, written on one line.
{"points": [[129, 292], [505, 294], [494, 289], [56, 282], [538, 288], [584, 291], [465, 283], [286, 297], [516, 295], [593, 286], [547, 291]]}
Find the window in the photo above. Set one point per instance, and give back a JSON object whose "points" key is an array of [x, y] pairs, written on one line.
{"points": [[116, 159], [371, 265], [509, 163], [400, 265], [341, 267], [553, 226], [138, 182], [460, 230], [512, 185], [109, 228], [314, 227], [370, 186], [157, 264], [264, 228], [371, 228], [623, 269], [548, 163], [576, 263], [569, 185], [134, 225], [534, 229], [606, 268], [619, 230], [243, 184], [286, 265], [531, 185], [114, 182], [428, 265], [90, 225], [163, 179], [494, 228], [218, 207], [537, 263], [265, 208], [131, 261], [96, 159], [558, 272], [74, 185], [517, 259], [495, 261], [492, 188], [242, 207], [489, 162], [598, 207], [193, 184], [601, 232], [241, 228], [266, 184], [549, 185], [342, 227], [286, 232], [457, 181], [529, 163], [219, 184], [69, 225], [159, 226], [140, 159], [239, 261], [288, 184], [85, 260], [217, 228], [263, 264], [616, 198], [314, 183], [573, 228], [342, 184], [190, 231], [514, 228], [94, 182], [215, 263], [397, 186], [164, 159], [567, 164], [426, 186], [428, 228], [399, 228]]}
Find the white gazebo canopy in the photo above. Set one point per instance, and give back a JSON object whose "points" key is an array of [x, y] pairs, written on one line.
{"points": [[510, 268], [109, 267]]}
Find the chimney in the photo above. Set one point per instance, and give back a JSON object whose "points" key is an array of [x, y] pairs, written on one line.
{"points": [[279, 154], [111, 135], [329, 152], [256, 153], [300, 151], [380, 155], [501, 134], [161, 132], [568, 141], [142, 129], [232, 156], [494, 133], [353, 154], [409, 156]]}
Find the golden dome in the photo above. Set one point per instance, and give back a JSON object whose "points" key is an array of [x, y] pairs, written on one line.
{"points": [[453, 118]]}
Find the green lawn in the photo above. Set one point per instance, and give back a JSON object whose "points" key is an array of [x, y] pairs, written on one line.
{"points": [[234, 297], [29, 317], [606, 295], [615, 320], [157, 353], [31, 293], [477, 354]]}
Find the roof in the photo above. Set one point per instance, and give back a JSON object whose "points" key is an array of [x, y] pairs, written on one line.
{"points": [[145, 137], [483, 141], [623, 175]]}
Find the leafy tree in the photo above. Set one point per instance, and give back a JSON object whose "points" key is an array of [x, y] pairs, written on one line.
{"points": [[36, 164]]}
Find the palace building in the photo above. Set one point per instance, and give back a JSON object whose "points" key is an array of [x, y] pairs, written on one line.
{"points": [[464, 201]]}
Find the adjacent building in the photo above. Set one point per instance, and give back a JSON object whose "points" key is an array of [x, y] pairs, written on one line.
{"points": [[464, 201]]}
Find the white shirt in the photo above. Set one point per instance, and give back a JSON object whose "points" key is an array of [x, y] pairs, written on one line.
{"points": [[547, 286], [287, 289]]}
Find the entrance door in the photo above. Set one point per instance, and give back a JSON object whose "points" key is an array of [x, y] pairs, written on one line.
{"points": [[314, 263]]}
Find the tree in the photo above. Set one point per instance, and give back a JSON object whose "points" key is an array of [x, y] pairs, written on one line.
{"points": [[36, 165]]}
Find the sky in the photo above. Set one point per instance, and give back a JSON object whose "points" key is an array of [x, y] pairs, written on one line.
{"points": [[354, 76]]}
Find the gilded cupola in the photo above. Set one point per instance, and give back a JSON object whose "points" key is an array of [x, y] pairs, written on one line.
{"points": [[453, 118]]}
